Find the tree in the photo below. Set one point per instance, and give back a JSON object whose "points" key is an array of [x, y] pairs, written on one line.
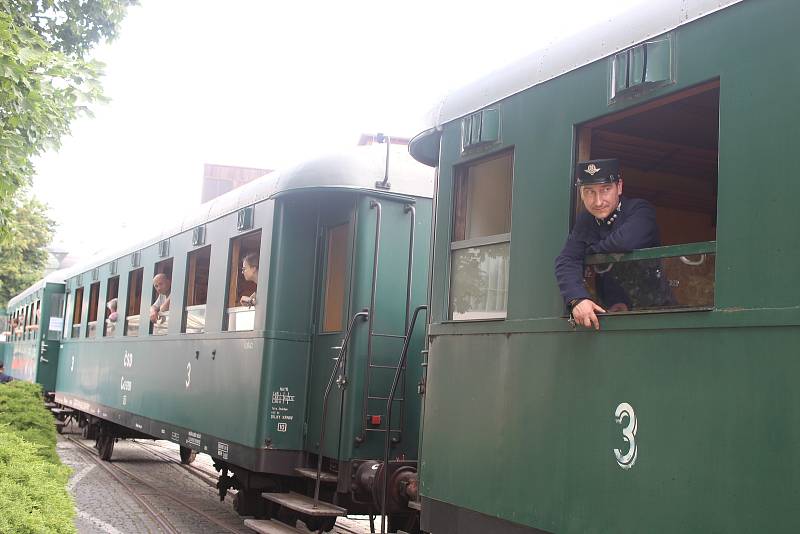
{"points": [[46, 80], [23, 256]]}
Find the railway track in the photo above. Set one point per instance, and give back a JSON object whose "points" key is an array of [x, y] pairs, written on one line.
{"points": [[142, 489]]}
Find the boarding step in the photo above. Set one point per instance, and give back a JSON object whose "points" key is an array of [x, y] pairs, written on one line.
{"points": [[51, 405], [312, 474], [415, 505], [306, 505], [62, 410], [265, 526]]}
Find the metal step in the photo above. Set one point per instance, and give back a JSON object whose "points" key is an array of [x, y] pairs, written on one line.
{"points": [[312, 474], [306, 505], [62, 410], [415, 505], [265, 526], [51, 405]]}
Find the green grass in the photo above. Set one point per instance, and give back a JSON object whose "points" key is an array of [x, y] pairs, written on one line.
{"points": [[33, 494]]}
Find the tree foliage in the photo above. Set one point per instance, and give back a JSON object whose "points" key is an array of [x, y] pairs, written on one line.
{"points": [[23, 255], [46, 79]]}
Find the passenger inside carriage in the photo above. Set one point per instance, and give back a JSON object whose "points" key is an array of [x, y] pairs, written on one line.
{"points": [[611, 224], [158, 311], [250, 273]]}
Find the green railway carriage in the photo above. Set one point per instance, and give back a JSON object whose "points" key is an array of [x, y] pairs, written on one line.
{"points": [[675, 419], [338, 245], [35, 322]]}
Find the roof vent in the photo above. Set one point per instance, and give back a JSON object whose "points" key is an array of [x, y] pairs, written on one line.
{"points": [[645, 66], [480, 128]]}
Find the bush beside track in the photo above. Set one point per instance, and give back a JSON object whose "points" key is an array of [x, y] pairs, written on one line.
{"points": [[33, 493]]}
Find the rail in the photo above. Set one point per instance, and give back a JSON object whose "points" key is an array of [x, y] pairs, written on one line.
{"points": [[387, 444], [340, 363]]}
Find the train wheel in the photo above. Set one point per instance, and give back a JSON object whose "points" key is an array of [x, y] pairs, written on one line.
{"points": [[105, 444], [187, 455]]}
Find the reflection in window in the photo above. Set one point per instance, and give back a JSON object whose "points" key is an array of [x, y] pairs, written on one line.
{"points": [[112, 301], [480, 291], [133, 308], [158, 314], [242, 282], [77, 306], [194, 315], [481, 239], [653, 284], [335, 278], [94, 297]]}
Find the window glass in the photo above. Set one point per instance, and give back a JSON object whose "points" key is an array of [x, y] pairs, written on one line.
{"points": [[77, 307], [158, 314], [483, 199], [56, 323], [112, 301], [37, 314], [94, 297], [335, 278], [194, 315], [480, 289], [243, 293], [133, 307], [481, 239]]}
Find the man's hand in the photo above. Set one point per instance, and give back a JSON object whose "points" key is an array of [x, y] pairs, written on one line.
{"points": [[153, 314], [585, 314]]}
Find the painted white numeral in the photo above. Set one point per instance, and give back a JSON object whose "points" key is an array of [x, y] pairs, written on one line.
{"points": [[127, 359], [188, 374], [72, 365], [625, 410]]}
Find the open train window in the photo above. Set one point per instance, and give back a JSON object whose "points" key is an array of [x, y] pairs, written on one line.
{"points": [[479, 250], [37, 313], [194, 313], [94, 298], [335, 278], [110, 314], [133, 304], [668, 154], [77, 307], [243, 282], [158, 314]]}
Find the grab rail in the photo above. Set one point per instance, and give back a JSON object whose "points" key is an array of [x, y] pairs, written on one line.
{"points": [[387, 445], [340, 363]]}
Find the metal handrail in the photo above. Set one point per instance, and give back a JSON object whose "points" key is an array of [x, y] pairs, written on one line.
{"points": [[340, 361], [373, 204], [387, 445]]}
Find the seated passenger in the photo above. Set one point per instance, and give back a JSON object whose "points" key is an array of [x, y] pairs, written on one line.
{"points": [[611, 223], [162, 284], [250, 273], [112, 310]]}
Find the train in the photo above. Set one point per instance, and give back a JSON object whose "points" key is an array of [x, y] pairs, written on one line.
{"points": [[675, 416], [290, 301]]}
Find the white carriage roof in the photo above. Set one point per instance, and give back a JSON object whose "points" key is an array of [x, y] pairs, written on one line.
{"points": [[610, 36], [357, 168], [56, 277]]}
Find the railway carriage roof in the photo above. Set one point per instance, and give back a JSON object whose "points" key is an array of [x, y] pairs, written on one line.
{"points": [[56, 277], [603, 40], [356, 169]]}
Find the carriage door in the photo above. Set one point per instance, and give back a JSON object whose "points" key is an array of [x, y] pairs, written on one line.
{"points": [[334, 255]]}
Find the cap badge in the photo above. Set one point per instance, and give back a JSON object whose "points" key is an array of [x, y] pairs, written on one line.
{"points": [[592, 169]]}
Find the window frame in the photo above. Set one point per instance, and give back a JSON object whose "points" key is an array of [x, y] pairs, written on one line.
{"points": [[323, 311], [191, 269], [235, 258], [460, 173]]}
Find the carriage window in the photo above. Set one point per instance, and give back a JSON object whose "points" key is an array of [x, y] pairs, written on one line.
{"points": [[77, 307], [158, 314], [243, 295], [37, 313], [94, 297], [481, 239], [194, 315], [668, 155], [133, 308], [56, 323], [335, 278], [110, 314]]}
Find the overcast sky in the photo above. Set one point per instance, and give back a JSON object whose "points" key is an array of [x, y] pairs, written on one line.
{"points": [[265, 84]]}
